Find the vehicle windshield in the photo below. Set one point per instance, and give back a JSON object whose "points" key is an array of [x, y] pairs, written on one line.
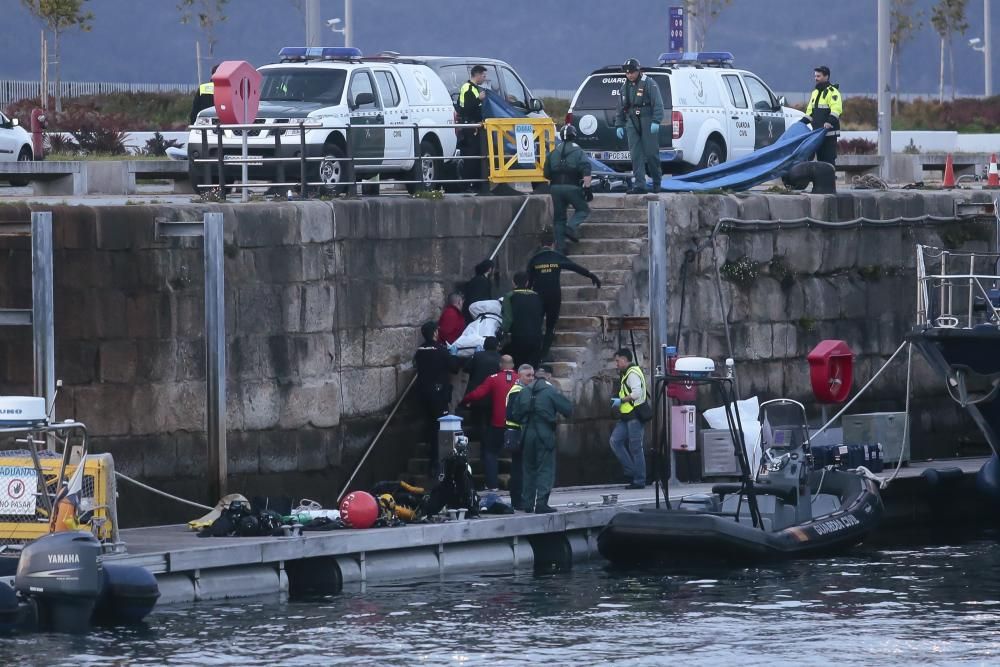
{"points": [[301, 85]]}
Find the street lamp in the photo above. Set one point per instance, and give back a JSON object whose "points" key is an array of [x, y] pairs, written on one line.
{"points": [[348, 23], [978, 45]]}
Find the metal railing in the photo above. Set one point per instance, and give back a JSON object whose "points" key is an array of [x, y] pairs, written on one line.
{"points": [[497, 154], [349, 161], [960, 291]]}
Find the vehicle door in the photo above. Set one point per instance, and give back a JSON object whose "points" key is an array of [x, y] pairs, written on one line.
{"points": [[593, 114], [399, 137], [741, 119], [516, 93], [367, 145], [667, 125], [769, 122], [9, 147]]}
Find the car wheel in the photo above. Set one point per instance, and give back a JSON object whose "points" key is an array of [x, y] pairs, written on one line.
{"points": [[714, 154], [424, 170], [23, 156], [331, 171]]}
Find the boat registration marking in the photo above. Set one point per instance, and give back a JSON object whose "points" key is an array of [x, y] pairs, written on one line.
{"points": [[834, 525]]}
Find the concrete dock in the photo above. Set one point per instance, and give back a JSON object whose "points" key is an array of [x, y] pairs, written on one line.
{"points": [[189, 568]]}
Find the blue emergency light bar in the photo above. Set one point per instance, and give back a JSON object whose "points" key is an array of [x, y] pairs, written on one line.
{"points": [[301, 53], [722, 58]]}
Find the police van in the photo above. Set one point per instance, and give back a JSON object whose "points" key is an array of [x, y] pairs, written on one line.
{"points": [[712, 112], [338, 88]]}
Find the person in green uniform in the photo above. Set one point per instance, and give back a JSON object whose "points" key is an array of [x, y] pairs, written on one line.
{"points": [[536, 408], [568, 169], [640, 112]]}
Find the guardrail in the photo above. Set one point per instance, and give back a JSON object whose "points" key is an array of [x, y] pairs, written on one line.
{"points": [[496, 147]]}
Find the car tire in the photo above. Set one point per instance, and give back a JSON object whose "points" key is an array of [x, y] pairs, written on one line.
{"points": [[330, 171], [23, 156], [425, 171], [712, 155]]}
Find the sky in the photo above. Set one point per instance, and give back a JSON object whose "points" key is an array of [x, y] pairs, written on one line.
{"points": [[552, 43]]}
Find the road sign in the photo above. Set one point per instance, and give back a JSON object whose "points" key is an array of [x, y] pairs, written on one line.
{"points": [[17, 490], [676, 29], [524, 134]]}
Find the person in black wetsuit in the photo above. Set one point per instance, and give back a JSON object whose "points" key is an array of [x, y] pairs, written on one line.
{"points": [[544, 269], [478, 288], [434, 368]]}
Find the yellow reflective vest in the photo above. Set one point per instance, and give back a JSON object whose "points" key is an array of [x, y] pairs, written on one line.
{"points": [[513, 390], [206, 89], [624, 394], [825, 106]]}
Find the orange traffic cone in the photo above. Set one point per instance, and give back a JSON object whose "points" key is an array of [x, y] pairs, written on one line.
{"points": [[949, 173], [993, 177]]}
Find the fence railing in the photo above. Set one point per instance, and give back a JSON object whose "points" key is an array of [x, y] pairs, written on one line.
{"points": [[12, 90]]}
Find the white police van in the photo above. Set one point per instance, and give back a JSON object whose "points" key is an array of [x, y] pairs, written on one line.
{"points": [[338, 88], [716, 113]]}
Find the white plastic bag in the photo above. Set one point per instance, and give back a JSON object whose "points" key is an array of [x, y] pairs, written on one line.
{"points": [[487, 323], [748, 413]]}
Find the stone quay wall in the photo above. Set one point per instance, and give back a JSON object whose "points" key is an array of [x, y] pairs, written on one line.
{"points": [[323, 306], [786, 288]]}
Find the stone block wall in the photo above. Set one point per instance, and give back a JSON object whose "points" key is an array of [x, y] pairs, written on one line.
{"points": [[323, 306]]}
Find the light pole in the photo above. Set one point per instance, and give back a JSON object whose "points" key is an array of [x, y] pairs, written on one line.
{"points": [[313, 37], [884, 110], [977, 45]]}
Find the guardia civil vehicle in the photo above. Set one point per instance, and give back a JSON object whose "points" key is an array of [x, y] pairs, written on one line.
{"points": [[717, 113], [338, 88]]}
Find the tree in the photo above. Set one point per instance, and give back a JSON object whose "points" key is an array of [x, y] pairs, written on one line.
{"points": [[208, 13], [56, 16], [905, 23], [948, 17], [701, 15]]}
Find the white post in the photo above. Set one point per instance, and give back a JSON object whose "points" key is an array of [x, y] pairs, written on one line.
{"points": [[884, 110], [43, 93], [313, 37], [197, 57], [987, 49], [245, 92], [348, 23]]}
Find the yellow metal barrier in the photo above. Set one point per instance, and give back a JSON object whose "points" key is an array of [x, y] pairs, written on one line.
{"points": [[517, 148], [98, 492]]}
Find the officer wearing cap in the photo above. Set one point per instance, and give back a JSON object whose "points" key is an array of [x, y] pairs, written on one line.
{"points": [[568, 169], [640, 112], [826, 105]]}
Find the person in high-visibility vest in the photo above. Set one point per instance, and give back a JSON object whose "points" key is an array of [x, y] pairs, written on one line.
{"points": [[826, 104], [626, 437], [470, 110], [204, 98]]}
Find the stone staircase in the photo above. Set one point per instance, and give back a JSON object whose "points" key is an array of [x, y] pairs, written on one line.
{"points": [[613, 245]]}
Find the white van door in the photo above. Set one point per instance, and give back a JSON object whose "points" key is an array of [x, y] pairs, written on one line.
{"points": [[769, 118], [399, 138], [740, 120]]}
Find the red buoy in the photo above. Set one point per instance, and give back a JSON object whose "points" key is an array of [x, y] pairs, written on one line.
{"points": [[359, 510]]}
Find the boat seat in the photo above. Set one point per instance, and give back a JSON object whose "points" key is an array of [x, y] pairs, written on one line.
{"points": [[785, 492]]}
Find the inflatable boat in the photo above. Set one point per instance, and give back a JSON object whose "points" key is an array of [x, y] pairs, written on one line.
{"points": [[788, 510]]}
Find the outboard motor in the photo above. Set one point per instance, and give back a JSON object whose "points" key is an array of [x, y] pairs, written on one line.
{"points": [[62, 574]]}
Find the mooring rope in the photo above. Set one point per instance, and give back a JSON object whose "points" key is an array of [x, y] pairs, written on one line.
{"points": [[162, 493]]}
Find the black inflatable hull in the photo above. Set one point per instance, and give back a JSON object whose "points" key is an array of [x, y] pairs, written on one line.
{"points": [[692, 537]]}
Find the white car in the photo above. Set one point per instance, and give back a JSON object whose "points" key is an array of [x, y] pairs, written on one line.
{"points": [[338, 88], [15, 144], [712, 112]]}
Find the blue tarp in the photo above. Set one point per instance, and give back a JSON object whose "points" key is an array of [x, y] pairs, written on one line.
{"points": [[797, 144]]}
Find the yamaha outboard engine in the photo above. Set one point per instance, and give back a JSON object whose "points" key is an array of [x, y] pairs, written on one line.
{"points": [[62, 574]]}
